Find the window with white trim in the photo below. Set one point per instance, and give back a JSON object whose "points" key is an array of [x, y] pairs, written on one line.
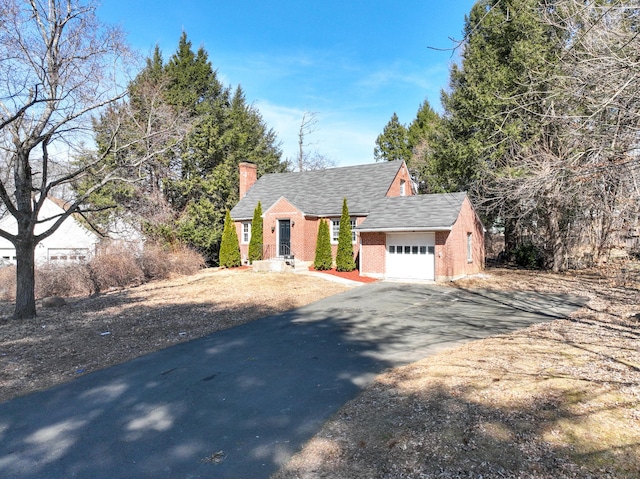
{"points": [[246, 232], [335, 230], [403, 188], [469, 248]]}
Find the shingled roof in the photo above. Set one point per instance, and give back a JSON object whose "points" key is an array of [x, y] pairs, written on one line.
{"points": [[320, 193], [414, 213]]}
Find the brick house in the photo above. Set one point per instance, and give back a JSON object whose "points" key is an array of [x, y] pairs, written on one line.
{"points": [[396, 234]]}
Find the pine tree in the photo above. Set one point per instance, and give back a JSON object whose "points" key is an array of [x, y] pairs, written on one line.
{"points": [[344, 257], [422, 134], [255, 243], [483, 124], [423, 126], [393, 143], [323, 259], [196, 178], [229, 247]]}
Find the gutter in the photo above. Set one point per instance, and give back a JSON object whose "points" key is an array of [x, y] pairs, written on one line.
{"points": [[404, 229]]}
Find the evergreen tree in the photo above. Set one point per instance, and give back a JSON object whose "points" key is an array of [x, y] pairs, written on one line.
{"points": [[229, 247], [393, 143], [423, 126], [196, 179], [255, 243], [323, 259], [344, 258], [422, 134], [506, 43]]}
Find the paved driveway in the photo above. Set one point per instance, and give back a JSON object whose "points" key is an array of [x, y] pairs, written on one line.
{"points": [[239, 403]]}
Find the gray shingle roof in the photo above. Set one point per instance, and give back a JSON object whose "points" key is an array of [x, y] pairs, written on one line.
{"points": [[420, 212], [320, 193]]}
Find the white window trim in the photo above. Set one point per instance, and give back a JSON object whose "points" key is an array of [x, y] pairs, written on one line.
{"points": [[354, 233], [403, 188], [247, 233], [469, 248]]}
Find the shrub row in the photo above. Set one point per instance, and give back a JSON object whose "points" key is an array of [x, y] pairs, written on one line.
{"points": [[113, 267]]}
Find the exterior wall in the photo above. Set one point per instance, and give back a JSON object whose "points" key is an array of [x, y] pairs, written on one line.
{"points": [[373, 254], [300, 228], [70, 242], [451, 247], [356, 245], [444, 265], [403, 175], [244, 247], [304, 234]]}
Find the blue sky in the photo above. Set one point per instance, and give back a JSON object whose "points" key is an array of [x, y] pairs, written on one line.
{"points": [[353, 62]]}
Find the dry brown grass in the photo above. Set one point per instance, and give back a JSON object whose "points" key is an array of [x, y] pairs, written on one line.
{"points": [[556, 400]]}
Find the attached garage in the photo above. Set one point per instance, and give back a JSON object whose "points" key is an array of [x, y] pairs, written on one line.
{"points": [[410, 256], [434, 237]]}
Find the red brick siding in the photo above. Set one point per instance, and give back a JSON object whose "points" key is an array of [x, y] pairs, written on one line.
{"points": [[374, 250], [283, 210], [451, 247], [248, 176], [244, 248], [403, 175], [443, 263], [304, 233]]}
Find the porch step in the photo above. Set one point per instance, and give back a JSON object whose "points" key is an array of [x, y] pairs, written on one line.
{"points": [[280, 265], [301, 266]]}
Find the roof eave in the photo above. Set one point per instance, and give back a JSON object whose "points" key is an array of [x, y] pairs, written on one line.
{"points": [[404, 229]]}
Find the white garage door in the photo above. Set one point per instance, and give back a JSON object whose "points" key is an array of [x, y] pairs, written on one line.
{"points": [[411, 256]]}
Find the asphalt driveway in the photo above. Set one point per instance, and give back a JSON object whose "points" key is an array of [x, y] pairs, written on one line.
{"points": [[239, 403]]}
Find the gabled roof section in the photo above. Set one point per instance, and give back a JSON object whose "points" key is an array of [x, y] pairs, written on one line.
{"points": [[435, 212], [320, 193]]}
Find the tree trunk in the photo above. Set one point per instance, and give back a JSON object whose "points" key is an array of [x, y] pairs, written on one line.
{"points": [[25, 280], [510, 235], [554, 236]]}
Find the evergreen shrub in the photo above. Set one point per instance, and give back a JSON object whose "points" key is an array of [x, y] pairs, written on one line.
{"points": [[229, 247], [255, 243], [323, 259], [344, 259]]}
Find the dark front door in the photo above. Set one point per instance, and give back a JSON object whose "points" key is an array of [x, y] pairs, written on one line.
{"points": [[284, 238]]}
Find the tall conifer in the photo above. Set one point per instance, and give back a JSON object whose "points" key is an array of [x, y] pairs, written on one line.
{"points": [[323, 259], [229, 247], [344, 258], [255, 243]]}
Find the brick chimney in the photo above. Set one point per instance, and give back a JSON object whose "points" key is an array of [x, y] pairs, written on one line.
{"points": [[248, 176]]}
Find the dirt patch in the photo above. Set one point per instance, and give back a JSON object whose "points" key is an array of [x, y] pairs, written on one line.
{"points": [[555, 400], [92, 333]]}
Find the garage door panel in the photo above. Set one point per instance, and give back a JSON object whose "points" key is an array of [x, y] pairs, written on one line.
{"points": [[411, 256]]}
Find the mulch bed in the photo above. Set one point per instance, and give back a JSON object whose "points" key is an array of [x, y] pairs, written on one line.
{"points": [[352, 275]]}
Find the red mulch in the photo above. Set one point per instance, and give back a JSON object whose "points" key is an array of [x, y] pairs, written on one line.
{"points": [[352, 275]]}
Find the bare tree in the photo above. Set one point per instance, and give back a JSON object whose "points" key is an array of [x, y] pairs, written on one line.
{"points": [[576, 184], [58, 66], [310, 160]]}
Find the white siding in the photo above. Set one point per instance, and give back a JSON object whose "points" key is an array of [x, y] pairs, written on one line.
{"points": [[72, 238]]}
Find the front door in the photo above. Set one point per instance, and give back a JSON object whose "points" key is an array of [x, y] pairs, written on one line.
{"points": [[284, 237]]}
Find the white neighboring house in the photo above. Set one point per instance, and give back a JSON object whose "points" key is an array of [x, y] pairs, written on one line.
{"points": [[71, 242]]}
